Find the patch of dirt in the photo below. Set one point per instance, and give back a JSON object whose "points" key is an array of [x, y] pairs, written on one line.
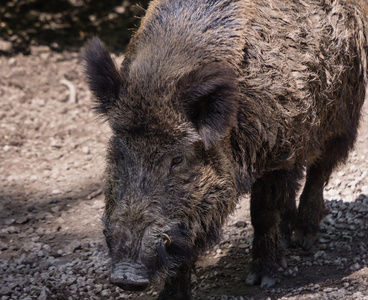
{"points": [[52, 151]]}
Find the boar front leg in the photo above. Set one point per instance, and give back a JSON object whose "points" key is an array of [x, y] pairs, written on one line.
{"points": [[178, 287], [273, 212]]}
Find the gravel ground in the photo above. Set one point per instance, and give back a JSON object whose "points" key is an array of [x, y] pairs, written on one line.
{"points": [[51, 245]]}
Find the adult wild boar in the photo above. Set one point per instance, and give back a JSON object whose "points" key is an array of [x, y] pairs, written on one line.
{"points": [[215, 99]]}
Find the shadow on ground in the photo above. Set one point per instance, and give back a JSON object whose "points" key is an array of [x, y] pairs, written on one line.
{"points": [[64, 24], [340, 251]]}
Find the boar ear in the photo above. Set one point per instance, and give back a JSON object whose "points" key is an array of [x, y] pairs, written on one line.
{"points": [[211, 100], [105, 81]]}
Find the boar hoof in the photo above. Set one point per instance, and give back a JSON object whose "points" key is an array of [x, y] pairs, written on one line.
{"points": [[253, 279], [257, 279], [283, 263], [304, 240], [285, 243], [268, 282]]}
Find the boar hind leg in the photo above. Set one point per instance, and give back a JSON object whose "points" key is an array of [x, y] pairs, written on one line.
{"points": [[273, 211], [312, 209], [177, 287]]}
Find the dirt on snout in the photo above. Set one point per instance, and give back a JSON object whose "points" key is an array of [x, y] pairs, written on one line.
{"points": [[52, 150]]}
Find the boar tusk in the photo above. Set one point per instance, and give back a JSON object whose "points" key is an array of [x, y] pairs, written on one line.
{"points": [[166, 238]]}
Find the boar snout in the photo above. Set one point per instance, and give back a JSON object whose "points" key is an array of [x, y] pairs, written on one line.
{"points": [[130, 276]]}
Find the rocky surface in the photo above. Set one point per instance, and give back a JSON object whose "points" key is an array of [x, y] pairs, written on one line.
{"points": [[51, 162]]}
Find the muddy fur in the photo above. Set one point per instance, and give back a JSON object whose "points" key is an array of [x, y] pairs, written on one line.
{"points": [[218, 98]]}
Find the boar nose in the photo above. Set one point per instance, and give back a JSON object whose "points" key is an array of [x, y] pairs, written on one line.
{"points": [[130, 276]]}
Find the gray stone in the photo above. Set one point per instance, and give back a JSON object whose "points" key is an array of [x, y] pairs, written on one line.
{"points": [[72, 247]]}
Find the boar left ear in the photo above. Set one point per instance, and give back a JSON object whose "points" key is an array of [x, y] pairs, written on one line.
{"points": [[210, 97], [105, 81]]}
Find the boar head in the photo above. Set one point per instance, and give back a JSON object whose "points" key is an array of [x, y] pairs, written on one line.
{"points": [[169, 177]]}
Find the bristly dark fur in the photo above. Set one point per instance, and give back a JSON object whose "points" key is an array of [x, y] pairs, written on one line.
{"points": [[214, 99]]}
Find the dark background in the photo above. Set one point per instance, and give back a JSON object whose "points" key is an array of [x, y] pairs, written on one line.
{"points": [[67, 24]]}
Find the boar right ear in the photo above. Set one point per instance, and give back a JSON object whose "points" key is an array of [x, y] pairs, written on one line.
{"points": [[105, 81], [210, 96]]}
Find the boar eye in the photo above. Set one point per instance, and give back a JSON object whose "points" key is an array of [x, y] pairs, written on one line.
{"points": [[176, 161]]}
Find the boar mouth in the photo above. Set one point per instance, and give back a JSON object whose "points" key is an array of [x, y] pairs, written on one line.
{"points": [[130, 276]]}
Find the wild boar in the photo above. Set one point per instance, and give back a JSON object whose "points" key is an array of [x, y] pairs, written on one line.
{"points": [[216, 99]]}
